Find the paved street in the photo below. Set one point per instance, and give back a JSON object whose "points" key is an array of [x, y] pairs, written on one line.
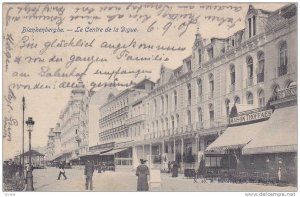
{"points": [[45, 180]]}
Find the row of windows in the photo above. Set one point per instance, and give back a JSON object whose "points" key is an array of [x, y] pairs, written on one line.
{"points": [[118, 105], [282, 70]]}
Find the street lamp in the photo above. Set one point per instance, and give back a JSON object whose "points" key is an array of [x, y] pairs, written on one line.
{"points": [[29, 187]]}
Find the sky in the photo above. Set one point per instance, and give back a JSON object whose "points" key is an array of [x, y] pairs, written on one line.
{"points": [[45, 105]]}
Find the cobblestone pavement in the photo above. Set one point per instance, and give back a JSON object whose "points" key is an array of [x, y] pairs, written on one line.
{"points": [[45, 180]]}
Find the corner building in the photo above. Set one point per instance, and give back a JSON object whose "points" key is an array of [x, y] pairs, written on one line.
{"points": [[190, 105]]}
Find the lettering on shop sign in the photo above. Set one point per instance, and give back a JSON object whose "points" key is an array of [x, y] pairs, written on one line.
{"points": [[286, 93], [250, 117], [102, 146]]}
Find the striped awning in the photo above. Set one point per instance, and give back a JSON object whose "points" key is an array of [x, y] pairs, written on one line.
{"points": [[278, 135], [236, 137]]}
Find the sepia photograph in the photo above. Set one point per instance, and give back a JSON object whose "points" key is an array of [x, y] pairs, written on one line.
{"points": [[150, 97]]}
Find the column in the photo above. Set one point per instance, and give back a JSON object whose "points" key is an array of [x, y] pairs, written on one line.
{"points": [[143, 151], [150, 159], [181, 153], [174, 148]]}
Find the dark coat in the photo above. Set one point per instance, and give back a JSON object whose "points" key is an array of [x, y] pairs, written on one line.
{"points": [[201, 170], [89, 169], [175, 169], [142, 171]]}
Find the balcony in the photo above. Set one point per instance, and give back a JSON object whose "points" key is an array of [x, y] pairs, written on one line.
{"points": [[135, 119], [188, 128], [249, 82], [282, 70], [260, 77], [199, 125], [232, 87]]}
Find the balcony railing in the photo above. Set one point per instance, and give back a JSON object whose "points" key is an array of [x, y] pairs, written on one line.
{"points": [[232, 87], [250, 82], [199, 125], [282, 70], [260, 77]]}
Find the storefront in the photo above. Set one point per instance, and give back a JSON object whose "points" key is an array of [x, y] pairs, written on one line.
{"points": [[119, 158], [274, 151]]}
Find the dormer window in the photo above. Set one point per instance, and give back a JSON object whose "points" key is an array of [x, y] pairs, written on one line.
{"points": [[210, 52], [252, 26], [189, 65], [199, 56]]}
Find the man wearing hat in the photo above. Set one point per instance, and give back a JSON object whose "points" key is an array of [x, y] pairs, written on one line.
{"points": [[142, 172], [88, 172]]}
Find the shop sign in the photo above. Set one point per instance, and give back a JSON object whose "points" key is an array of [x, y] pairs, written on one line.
{"points": [[251, 116], [102, 146], [286, 93]]}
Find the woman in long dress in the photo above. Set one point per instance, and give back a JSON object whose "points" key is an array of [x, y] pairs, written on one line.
{"points": [[142, 172]]}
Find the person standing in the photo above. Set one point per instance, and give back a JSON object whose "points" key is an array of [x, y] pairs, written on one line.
{"points": [[88, 172], [142, 172], [175, 169], [61, 171]]}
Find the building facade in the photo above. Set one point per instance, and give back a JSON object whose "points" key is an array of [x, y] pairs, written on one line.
{"points": [[70, 136], [189, 107]]}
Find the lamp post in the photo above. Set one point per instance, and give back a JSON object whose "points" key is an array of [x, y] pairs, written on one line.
{"points": [[23, 107], [29, 187]]}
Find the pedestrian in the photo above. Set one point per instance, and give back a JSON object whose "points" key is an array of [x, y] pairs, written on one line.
{"points": [[175, 169], [169, 167], [142, 172], [201, 170], [88, 172], [61, 171]]}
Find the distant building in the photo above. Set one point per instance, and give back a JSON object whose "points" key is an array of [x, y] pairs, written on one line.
{"points": [[71, 132]]}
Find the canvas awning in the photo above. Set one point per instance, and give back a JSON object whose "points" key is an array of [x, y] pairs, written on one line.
{"points": [[236, 137], [278, 135], [112, 152]]}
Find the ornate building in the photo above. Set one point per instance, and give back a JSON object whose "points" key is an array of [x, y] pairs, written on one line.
{"points": [[72, 127], [189, 107]]}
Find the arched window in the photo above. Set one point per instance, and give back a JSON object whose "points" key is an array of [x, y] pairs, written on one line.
{"points": [[199, 56], [175, 99], [189, 94], [237, 100], [199, 114], [232, 78], [162, 124], [211, 86], [189, 117], [167, 123], [167, 103], [155, 108], [250, 98], [250, 71], [199, 82], [283, 59], [162, 105], [260, 67], [261, 98], [173, 123], [211, 113], [177, 119], [227, 101]]}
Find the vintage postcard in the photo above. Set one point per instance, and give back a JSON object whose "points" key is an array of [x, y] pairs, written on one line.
{"points": [[150, 97]]}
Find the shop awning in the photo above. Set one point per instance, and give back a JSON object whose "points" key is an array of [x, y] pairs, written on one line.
{"points": [[96, 153], [112, 152], [236, 137], [278, 135]]}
